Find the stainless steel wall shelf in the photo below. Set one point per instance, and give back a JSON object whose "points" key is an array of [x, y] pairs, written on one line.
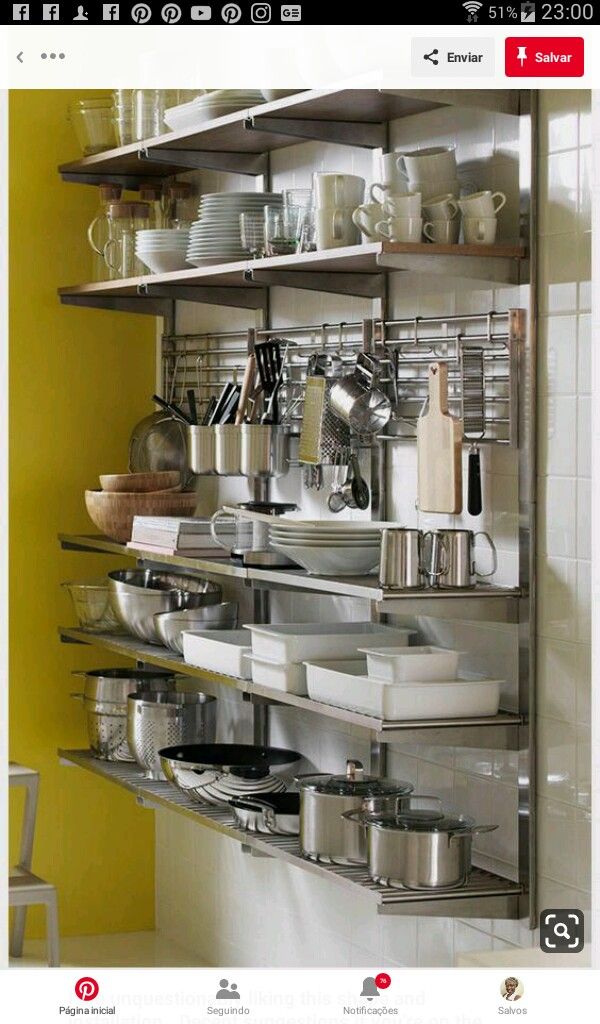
{"points": [[484, 895]]}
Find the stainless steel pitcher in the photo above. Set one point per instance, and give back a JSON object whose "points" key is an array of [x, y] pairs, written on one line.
{"points": [[451, 562], [401, 564]]}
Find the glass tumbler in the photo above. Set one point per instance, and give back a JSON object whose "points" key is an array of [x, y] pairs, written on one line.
{"points": [[93, 121], [252, 233], [125, 219], [283, 225]]}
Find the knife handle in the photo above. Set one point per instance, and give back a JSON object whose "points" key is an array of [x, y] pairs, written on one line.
{"points": [[474, 500]]}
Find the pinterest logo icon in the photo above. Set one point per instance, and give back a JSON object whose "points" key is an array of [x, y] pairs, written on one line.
{"points": [[86, 989]]}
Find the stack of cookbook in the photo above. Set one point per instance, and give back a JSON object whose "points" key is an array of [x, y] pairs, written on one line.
{"points": [[171, 535]]}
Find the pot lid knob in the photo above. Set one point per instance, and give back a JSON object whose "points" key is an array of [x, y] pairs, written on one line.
{"points": [[354, 769]]}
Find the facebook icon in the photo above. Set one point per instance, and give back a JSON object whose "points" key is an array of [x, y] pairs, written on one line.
{"points": [[110, 12], [50, 12], [20, 12]]}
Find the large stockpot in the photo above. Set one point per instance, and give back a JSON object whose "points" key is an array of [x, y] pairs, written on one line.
{"points": [[156, 720], [325, 835], [418, 849]]}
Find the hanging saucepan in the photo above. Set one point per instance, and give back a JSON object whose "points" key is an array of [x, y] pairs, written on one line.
{"points": [[358, 401], [418, 849], [275, 814], [324, 834], [215, 773]]}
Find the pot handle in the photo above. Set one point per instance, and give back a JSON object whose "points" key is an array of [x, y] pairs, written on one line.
{"points": [[474, 831], [77, 696], [312, 775], [357, 817], [425, 802]]}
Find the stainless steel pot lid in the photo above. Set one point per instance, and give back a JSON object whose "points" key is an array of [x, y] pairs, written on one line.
{"points": [[354, 783], [423, 821]]}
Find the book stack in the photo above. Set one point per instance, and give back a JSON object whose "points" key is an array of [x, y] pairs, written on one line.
{"points": [[171, 535]]}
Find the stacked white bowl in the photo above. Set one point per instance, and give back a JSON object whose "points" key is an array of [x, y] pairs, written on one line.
{"points": [[323, 549], [162, 250], [215, 236]]}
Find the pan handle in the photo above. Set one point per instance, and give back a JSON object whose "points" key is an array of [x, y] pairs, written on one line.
{"points": [[476, 830]]}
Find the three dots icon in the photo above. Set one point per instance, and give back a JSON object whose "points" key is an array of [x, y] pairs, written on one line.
{"points": [[52, 56]]}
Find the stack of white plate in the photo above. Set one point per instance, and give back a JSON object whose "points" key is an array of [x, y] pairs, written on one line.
{"points": [[215, 236], [162, 249], [211, 105], [340, 549]]}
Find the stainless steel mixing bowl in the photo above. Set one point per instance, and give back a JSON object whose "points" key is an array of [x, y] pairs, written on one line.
{"points": [[170, 626], [137, 595]]}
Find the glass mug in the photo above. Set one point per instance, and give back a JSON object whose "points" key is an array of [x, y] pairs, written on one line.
{"points": [[124, 220]]}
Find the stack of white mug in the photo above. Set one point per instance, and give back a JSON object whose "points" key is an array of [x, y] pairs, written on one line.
{"points": [[336, 196]]}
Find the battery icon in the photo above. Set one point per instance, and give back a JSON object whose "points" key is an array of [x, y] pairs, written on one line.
{"points": [[527, 12]]}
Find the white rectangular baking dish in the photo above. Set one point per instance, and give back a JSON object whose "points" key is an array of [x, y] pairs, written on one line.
{"points": [[411, 664], [219, 650], [345, 684], [288, 677], [297, 641]]}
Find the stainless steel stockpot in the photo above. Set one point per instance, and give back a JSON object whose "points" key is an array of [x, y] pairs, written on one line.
{"points": [[113, 685], [274, 813], [418, 849], [325, 835], [157, 720]]}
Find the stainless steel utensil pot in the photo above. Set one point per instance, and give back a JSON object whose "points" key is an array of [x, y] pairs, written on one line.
{"points": [[263, 451], [201, 449], [157, 720], [401, 565]]}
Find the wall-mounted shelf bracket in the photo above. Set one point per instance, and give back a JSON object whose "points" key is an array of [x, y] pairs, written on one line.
{"points": [[244, 298], [235, 163], [367, 286], [367, 134]]}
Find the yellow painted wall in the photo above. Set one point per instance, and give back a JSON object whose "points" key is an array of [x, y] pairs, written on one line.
{"points": [[79, 380]]}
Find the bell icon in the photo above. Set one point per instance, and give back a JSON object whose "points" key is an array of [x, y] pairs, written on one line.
{"points": [[369, 989]]}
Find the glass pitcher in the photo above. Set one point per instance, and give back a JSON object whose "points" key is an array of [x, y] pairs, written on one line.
{"points": [[179, 204], [124, 220], [98, 230], [152, 194]]}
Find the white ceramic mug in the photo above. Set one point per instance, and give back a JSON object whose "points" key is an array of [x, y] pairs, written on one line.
{"points": [[408, 205], [335, 227], [429, 164], [442, 207], [480, 230], [401, 229], [445, 232], [366, 217], [338, 190], [391, 178], [482, 204], [435, 187]]}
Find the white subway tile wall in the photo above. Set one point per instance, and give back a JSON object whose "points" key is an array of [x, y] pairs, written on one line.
{"points": [[248, 911]]}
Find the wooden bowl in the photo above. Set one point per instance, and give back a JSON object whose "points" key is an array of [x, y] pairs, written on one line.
{"points": [[113, 513], [130, 483]]}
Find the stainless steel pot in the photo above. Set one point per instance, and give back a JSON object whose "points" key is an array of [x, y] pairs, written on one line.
{"points": [[170, 626], [156, 720], [325, 835], [275, 814], [263, 451], [113, 685], [201, 449], [418, 849]]}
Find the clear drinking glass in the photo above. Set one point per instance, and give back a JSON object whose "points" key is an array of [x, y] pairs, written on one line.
{"points": [[123, 112], [283, 225], [298, 197], [308, 231], [252, 233]]}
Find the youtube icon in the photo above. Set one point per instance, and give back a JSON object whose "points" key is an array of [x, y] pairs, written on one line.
{"points": [[543, 57]]}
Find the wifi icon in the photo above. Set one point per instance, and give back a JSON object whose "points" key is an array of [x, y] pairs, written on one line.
{"points": [[472, 7]]}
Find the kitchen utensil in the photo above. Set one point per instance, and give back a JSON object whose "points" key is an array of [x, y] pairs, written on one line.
{"points": [[214, 773], [273, 813], [153, 195], [401, 229], [361, 495], [293, 642], [139, 594], [131, 483], [356, 399], [451, 562], [335, 227], [366, 218], [201, 449], [283, 229], [480, 230], [157, 581], [93, 122], [441, 207], [486, 204], [263, 453], [123, 115], [92, 605], [345, 684], [247, 387], [252, 543], [166, 719], [439, 449], [148, 106], [327, 561], [432, 164], [322, 434], [410, 664], [419, 849], [404, 205], [228, 449], [162, 250], [171, 625], [157, 443], [270, 365], [285, 676], [336, 501], [98, 230], [222, 651], [443, 232], [124, 221], [107, 730], [401, 562], [208, 412], [175, 410], [473, 411], [271, 412], [113, 513], [325, 835], [178, 203], [338, 190], [392, 179], [113, 685]]}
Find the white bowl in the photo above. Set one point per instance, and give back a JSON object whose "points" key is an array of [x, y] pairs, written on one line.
{"points": [[332, 561], [411, 664], [164, 263]]}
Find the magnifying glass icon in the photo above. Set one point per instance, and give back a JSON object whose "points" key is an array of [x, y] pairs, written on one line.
{"points": [[561, 931]]}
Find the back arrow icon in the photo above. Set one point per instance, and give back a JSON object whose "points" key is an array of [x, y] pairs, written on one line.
{"points": [[20, 57]]}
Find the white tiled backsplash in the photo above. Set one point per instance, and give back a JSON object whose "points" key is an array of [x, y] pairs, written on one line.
{"points": [[236, 910]]}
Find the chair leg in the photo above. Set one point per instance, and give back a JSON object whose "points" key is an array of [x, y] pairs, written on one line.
{"points": [[17, 934], [52, 935]]}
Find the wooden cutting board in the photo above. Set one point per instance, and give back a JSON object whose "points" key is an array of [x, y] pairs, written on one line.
{"points": [[439, 449]]}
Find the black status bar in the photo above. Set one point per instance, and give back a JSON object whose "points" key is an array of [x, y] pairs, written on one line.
{"points": [[469, 15]]}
